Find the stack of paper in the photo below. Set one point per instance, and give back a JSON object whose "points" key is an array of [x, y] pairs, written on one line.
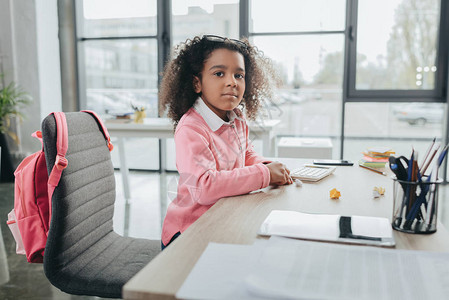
{"points": [[376, 157], [283, 268]]}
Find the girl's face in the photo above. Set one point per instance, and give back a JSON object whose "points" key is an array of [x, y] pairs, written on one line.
{"points": [[222, 81]]}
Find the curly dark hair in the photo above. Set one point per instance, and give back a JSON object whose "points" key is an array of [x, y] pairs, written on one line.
{"points": [[177, 91]]}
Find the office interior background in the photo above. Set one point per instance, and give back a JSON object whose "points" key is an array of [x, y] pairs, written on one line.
{"points": [[362, 73]]}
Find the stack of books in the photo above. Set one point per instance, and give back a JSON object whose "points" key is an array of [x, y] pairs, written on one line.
{"points": [[376, 157]]}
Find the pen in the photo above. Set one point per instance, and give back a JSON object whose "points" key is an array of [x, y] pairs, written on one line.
{"points": [[417, 205], [409, 179], [434, 178], [296, 181], [374, 170], [361, 237], [413, 178]]}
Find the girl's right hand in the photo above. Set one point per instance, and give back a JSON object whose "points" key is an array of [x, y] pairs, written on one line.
{"points": [[279, 174]]}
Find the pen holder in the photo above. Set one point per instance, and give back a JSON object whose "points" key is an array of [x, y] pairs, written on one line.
{"points": [[415, 205]]}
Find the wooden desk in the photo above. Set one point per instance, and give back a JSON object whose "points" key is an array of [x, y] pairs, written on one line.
{"points": [[162, 128], [235, 220]]}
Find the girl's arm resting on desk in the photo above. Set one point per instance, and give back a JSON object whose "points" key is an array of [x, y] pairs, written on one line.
{"points": [[215, 185], [201, 172]]}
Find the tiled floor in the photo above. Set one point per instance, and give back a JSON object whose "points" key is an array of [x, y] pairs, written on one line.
{"points": [[140, 217]]}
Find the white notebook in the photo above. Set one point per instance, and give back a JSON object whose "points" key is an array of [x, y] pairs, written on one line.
{"points": [[325, 227]]}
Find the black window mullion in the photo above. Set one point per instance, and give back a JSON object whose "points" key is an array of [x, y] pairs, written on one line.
{"points": [[442, 52], [394, 96], [80, 66], [102, 38], [347, 65], [443, 76], [244, 18], [164, 34], [351, 45], [164, 37]]}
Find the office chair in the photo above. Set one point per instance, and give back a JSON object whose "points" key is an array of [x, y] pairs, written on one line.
{"points": [[83, 255]]}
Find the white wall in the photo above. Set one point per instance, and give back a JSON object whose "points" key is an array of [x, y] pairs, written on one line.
{"points": [[30, 48], [48, 56]]}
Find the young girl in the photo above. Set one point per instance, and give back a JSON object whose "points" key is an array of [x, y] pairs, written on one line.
{"points": [[202, 88]]}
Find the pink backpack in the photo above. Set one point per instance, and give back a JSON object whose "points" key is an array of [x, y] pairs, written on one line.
{"points": [[29, 221]]}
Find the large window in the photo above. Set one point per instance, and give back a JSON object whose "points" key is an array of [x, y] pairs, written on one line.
{"points": [[306, 43], [400, 52], [397, 71], [191, 18], [359, 72], [118, 65], [118, 55]]}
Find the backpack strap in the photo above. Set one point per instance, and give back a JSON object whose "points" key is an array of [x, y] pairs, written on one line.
{"points": [[38, 135], [103, 128], [60, 162]]}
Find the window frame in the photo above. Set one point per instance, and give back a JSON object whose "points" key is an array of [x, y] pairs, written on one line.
{"points": [[244, 8], [162, 37], [437, 95], [351, 94]]}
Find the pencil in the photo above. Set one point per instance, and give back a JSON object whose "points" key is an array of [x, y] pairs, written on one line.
{"points": [[427, 154], [374, 170], [424, 168]]}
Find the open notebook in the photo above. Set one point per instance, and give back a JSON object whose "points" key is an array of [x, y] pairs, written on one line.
{"points": [[325, 227]]}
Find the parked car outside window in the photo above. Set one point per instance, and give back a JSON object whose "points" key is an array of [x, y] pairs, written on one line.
{"points": [[419, 113]]}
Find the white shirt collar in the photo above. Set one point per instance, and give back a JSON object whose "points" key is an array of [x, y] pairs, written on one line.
{"points": [[214, 121]]}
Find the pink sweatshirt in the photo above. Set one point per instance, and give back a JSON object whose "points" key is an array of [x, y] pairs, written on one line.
{"points": [[212, 163]]}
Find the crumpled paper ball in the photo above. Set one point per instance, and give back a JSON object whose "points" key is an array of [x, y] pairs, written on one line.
{"points": [[378, 191], [334, 194]]}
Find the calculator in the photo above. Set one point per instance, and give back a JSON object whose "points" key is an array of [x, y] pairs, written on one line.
{"points": [[312, 172]]}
